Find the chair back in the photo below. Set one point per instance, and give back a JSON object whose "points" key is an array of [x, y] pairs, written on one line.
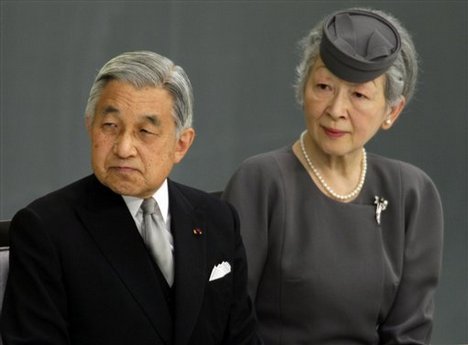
{"points": [[4, 259], [217, 193], [4, 228]]}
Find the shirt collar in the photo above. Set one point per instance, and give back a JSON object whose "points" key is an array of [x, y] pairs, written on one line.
{"points": [[161, 196]]}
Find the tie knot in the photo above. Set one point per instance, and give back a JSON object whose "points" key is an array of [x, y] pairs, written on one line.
{"points": [[148, 206]]}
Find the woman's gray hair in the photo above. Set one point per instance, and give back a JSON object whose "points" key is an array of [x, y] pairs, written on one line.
{"points": [[142, 69], [400, 78]]}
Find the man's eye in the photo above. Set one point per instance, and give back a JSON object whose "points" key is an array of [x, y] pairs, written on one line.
{"points": [[146, 131], [109, 125]]}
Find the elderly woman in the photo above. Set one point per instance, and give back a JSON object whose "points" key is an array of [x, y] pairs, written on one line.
{"points": [[344, 246]]}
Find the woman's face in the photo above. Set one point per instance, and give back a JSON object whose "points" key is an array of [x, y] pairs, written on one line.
{"points": [[342, 117]]}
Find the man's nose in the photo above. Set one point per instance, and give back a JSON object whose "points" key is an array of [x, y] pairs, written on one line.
{"points": [[124, 146]]}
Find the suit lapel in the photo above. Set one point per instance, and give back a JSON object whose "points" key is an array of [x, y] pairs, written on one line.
{"points": [[111, 225], [190, 277]]}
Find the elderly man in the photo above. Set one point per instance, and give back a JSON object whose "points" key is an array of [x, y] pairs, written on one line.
{"points": [[127, 256]]}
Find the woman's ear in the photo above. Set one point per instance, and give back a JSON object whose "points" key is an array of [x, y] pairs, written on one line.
{"points": [[395, 111]]}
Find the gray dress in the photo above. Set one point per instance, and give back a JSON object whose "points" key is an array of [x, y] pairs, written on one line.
{"points": [[324, 272]]}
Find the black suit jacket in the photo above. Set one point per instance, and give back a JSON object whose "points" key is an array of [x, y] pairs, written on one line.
{"points": [[80, 273]]}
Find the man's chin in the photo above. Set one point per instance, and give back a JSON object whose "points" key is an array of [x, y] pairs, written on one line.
{"points": [[121, 186]]}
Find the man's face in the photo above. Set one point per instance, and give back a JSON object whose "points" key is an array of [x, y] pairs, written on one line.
{"points": [[133, 138]]}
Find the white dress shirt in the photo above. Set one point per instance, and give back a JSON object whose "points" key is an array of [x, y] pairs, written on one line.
{"points": [[162, 198]]}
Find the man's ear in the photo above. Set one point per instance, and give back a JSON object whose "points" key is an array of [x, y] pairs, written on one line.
{"points": [[183, 144], [395, 111]]}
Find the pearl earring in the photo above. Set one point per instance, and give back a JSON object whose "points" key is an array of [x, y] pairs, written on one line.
{"points": [[388, 121]]}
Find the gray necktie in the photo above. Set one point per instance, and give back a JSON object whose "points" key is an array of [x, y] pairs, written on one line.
{"points": [[153, 233]]}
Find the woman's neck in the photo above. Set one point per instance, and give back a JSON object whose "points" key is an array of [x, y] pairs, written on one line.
{"points": [[335, 175]]}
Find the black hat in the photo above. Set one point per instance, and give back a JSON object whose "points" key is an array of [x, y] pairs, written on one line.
{"points": [[358, 45]]}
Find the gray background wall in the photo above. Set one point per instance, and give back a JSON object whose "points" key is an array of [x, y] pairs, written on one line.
{"points": [[240, 57]]}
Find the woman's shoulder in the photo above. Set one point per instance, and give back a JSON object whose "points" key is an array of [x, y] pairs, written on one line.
{"points": [[408, 173], [264, 171], [269, 160]]}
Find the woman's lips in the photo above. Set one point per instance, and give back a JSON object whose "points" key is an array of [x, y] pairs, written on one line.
{"points": [[333, 133]]}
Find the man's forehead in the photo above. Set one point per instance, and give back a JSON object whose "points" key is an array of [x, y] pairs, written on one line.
{"points": [[117, 96], [123, 84]]}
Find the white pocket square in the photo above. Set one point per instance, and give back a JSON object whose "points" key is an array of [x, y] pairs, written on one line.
{"points": [[220, 270]]}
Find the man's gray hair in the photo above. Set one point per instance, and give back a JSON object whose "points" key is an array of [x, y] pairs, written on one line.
{"points": [[400, 78], [142, 69]]}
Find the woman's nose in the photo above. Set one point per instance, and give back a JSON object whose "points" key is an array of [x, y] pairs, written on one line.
{"points": [[338, 106]]}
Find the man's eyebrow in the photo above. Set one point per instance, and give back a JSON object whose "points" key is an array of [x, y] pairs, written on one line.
{"points": [[153, 119], [110, 110]]}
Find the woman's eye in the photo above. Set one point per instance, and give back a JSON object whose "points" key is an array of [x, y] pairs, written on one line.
{"points": [[324, 87], [360, 95]]}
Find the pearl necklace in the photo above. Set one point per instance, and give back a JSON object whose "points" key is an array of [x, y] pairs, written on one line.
{"points": [[322, 180]]}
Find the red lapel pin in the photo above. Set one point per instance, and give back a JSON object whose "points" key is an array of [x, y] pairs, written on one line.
{"points": [[197, 231]]}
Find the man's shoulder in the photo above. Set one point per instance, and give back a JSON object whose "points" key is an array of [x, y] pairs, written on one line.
{"points": [[192, 193], [197, 198], [57, 209], [66, 194]]}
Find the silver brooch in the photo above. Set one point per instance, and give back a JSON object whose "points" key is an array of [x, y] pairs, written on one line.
{"points": [[380, 206]]}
